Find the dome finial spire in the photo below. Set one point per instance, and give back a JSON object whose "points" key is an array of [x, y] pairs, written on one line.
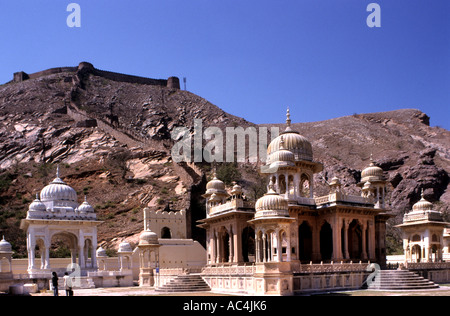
{"points": [[57, 171], [288, 117]]}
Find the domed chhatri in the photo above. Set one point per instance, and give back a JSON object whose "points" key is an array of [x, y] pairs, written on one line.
{"points": [[148, 237], [271, 205], [58, 191], [101, 252], [37, 204], [37, 209], [59, 200], [372, 173], [85, 207], [125, 246], [282, 157], [5, 247], [422, 205], [215, 185], [292, 141]]}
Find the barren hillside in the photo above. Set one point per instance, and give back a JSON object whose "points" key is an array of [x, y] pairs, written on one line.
{"points": [[111, 138]]}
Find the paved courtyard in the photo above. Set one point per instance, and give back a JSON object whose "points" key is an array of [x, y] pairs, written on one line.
{"points": [[443, 290]]}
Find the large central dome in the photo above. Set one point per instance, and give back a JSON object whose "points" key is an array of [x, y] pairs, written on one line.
{"points": [[58, 190], [292, 141]]}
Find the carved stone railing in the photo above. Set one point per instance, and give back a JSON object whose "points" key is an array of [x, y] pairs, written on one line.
{"points": [[334, 267], [427, 265], [425, 215], [341, 197], [229, 270]]}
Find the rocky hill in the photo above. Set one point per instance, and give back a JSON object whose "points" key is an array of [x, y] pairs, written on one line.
{"points": [[110, 133]]}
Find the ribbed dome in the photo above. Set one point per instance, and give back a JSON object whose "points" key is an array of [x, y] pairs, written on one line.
{"points": [[372, 173], [148, 237], [125, 247], [85, 207], [282, 156], [101, 252], [215, 184], [423, 205], [58, 190], [5, 246], [292, 141], [37, 205], [271, 204]]}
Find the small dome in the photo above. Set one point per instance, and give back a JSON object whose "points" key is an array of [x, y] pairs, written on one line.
{"points": [[335, 182], [282, 156], [214, 198], [148, 237], [292, 141], [237, 189], [5, 246], [85, 207], [101, 252], [37, 205], [372, 173], [367, 186], [423, 205], [271, 204], [215, 184], [58, 190], [125, 247]]}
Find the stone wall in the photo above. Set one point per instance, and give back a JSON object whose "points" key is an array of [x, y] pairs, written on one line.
{"points": [[171, 82]]}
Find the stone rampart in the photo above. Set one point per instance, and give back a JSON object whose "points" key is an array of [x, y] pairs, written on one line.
{"points": [[171, 82]]}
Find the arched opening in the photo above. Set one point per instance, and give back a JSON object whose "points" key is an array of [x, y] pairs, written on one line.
{"points": [[282, 184], [435, 253], [224, 245], [355, 240], [305, 242], [283, 252], [260, 245], [88, 252], [5, 266], [416, 253], [291, 186], [166, 233], [63, 245], [248, 244], [269, 246], [434, 238], [326, 241], [304, 186]]}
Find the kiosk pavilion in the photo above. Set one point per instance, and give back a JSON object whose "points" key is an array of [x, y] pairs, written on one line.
{"points": [[288, 227]]}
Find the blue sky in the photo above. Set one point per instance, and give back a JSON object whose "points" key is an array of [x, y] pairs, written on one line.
{"points": [[252, 58]]}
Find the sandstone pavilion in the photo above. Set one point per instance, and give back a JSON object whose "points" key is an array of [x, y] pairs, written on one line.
{"points": [[291, 241]]}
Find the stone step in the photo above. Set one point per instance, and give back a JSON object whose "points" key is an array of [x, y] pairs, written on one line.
{"points": [[400, 280], [185, 283], [404, 287]]}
